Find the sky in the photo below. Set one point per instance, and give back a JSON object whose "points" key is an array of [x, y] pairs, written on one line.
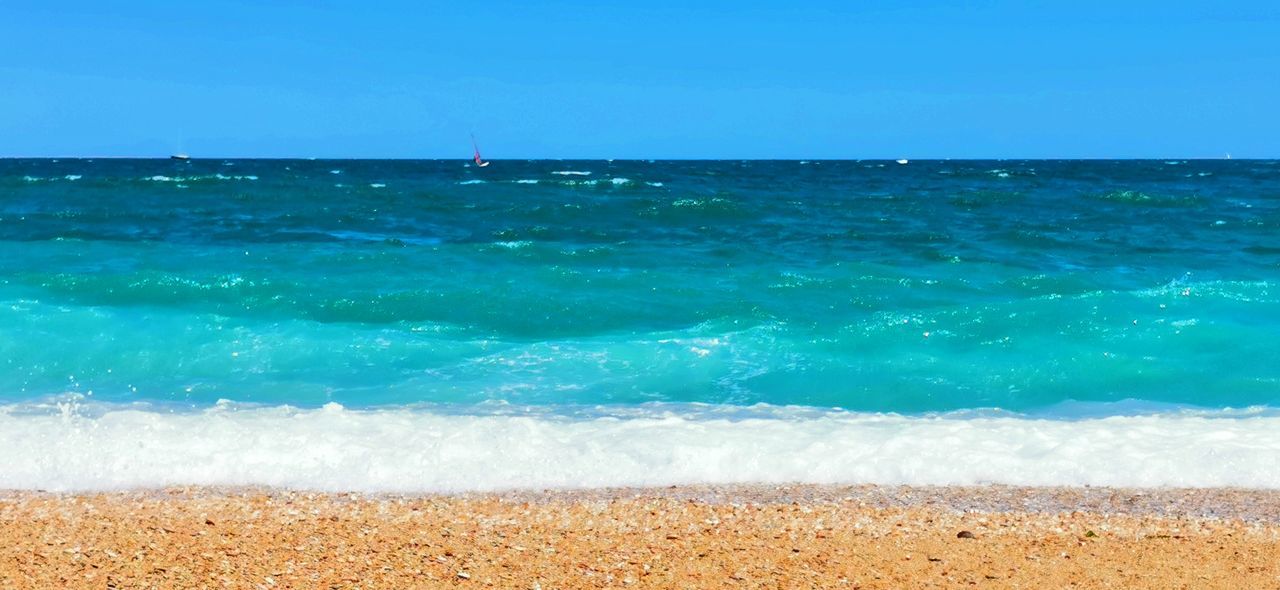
{"points": [[640, 79]]}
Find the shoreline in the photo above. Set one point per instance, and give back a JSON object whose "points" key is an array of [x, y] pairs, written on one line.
{"points": [[740, 536], [411, 450], [1208, 503]]}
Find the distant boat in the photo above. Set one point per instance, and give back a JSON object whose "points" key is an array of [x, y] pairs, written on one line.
{"points": [[903, 161], [479, 162], [179, 157]]}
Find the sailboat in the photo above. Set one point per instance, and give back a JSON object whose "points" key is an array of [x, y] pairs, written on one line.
{"points": [[479, 162]]}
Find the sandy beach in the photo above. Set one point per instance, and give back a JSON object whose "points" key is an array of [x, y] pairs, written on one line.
{"points": [[683, 537]]}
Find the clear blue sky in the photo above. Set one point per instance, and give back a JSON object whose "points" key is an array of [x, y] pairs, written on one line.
{"points": [[640, 79]]}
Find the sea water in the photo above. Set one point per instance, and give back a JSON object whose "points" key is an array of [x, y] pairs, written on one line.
{"points": [[434, 326]]}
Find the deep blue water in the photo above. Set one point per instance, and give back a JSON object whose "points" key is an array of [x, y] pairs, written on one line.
{"points": [[865, 285]]}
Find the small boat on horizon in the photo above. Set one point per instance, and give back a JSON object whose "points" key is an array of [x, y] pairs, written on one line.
{"points": [[179, 157]]}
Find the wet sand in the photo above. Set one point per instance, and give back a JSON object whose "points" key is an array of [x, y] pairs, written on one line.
{"points": [[684, 537]]}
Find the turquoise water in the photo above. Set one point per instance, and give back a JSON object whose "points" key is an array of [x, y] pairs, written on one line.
{"points": [[871, 286]]}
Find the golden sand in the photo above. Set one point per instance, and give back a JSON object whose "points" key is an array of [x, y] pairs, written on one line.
{"points": [[743, 537]]}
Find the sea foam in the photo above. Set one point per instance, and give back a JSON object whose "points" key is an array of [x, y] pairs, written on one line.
{"points": [[163, 178], [415, 450]]}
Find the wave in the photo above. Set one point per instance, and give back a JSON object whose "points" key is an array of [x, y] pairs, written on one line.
{"points": [[202, 177], [572, 172], [1132, 197], [70, 177], [617, 181], [152, 178], [413, 450]]}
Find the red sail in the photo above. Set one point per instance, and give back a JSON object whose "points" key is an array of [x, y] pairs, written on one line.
{"points": [[479, 162]]}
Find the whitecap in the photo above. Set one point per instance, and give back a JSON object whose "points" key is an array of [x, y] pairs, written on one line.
{"points": [[403, 450], [163, 178], [377, 185], [572, 173]]}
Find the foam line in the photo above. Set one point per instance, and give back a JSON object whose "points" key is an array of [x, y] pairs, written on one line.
{"points": [[403, 450]]}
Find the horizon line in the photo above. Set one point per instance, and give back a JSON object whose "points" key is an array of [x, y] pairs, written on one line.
{"points": [[641, 159]]}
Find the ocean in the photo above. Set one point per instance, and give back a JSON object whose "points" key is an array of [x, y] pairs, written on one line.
{"points": [[420, 326]]}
